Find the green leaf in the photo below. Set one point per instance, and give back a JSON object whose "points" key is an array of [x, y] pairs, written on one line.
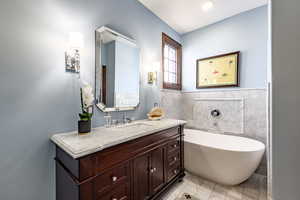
{"points": [[85, 116]]}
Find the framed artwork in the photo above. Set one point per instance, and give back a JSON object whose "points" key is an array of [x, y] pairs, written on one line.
{"points": [[72, 60], [218, 71]]}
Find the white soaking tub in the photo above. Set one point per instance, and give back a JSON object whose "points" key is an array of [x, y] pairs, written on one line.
{"points": [[224, 159]]}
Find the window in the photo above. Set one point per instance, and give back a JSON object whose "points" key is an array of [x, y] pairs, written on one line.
{"points": [[171, 60]]}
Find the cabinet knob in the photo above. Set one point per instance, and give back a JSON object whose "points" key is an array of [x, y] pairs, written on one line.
{"points": [[175, 158], [175, 145], [153, 170], [175, 171], [114, 179], [114, 199]]}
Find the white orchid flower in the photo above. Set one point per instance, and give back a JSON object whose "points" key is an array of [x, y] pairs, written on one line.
{"points": [[87, 96]]}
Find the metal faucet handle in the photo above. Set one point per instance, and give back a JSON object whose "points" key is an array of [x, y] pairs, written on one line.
{"points": [[128, 120]]}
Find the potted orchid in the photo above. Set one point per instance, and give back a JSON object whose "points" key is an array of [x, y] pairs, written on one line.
{"points": [[87, 99]]}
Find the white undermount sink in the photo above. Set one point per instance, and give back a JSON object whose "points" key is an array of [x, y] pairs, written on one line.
{"points": [[138, 125]]}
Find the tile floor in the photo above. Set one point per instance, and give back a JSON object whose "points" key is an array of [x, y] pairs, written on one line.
{"points": [[252, 189]]}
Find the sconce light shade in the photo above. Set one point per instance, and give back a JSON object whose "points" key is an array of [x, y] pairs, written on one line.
{"points": [[75, 40], [151, 77], [156, 66]]}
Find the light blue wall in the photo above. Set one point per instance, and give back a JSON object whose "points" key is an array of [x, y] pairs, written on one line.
{"points": [[247, 32], [38, 98]]}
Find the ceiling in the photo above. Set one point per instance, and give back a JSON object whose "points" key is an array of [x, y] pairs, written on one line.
{"points": [[187, 15]]}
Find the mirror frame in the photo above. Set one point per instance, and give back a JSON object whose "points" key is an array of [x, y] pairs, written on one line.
{"points": [[121, 37]]}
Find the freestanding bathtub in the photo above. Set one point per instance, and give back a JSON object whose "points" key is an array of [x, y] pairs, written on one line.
{"points": [[224, 159]]}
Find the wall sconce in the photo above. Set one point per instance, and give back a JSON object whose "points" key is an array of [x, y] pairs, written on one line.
{"points": [[72, 55], [152, 76]]}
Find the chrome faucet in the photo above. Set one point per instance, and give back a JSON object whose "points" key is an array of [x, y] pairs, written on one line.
{"points": [[110, 122], [126, 119]]}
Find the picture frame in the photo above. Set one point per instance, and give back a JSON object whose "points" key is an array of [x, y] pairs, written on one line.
{"points": [[218, 71]]}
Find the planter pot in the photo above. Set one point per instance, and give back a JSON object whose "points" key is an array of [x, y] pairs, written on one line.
{"points": [[84, 127]]}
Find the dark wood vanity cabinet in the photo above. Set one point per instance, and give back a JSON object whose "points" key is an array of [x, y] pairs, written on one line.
{"points": [[141, 169], [148, 173]]}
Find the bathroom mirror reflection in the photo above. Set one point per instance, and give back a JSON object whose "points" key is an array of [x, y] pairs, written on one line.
{"points": [[117, 71]]}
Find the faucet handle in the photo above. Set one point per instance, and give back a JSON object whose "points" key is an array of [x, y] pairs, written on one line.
{"points": [[128, 120]]}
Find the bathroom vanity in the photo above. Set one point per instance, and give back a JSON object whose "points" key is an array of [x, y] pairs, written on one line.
{"points": [[136, 161]]}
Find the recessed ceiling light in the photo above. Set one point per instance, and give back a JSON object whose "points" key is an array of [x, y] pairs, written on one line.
{"points": [[207, 5]]}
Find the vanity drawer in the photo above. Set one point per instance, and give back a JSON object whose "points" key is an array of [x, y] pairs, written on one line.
{"points": [[112, 178], [173, 171], [174, 145], [173, 159], [114, 155], [122, 192]]}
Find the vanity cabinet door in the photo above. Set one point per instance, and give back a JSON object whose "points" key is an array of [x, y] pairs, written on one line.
{"points": [[141, 177], [157, 174]]}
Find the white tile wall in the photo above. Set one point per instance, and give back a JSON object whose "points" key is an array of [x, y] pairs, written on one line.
{"points": [[231, 119], [244, 112]]}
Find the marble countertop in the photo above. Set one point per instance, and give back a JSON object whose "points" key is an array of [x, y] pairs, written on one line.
{"points": [[100, 138]]}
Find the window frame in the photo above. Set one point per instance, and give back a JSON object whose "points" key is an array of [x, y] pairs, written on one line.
{"points": [[167, 40]]}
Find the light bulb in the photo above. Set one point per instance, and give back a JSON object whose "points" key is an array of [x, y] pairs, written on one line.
{"points": [[75, 40], [207, 5]]}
